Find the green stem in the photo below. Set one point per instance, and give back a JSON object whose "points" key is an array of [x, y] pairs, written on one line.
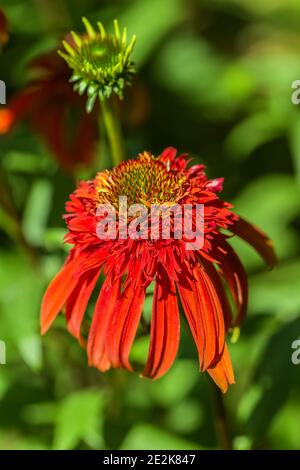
{"points": [[113, 130], [221, 420]]}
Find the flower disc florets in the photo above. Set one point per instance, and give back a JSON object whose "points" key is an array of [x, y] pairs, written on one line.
{"points": [[145, 180], [100, 62]]}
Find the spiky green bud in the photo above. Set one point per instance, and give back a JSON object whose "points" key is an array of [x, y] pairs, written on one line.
{"points": [[100, 62]]}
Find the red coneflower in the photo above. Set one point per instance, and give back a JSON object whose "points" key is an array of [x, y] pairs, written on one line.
{"points": [[49, 103], [197, 277]]}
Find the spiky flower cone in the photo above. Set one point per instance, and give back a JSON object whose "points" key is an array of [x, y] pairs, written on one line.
{"points": [[100, 62]]}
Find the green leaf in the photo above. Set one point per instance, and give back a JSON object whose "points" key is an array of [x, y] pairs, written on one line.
{"points": [[145, 436], [11, 440], [277, 291], [167, 14], [40, 413], [37, 211], [185, 417], [251, 133], [20, 291], [17, 161], [31, 350], [54, 239], [180, 67], [79, 416], [176, 384], [284, 432], [294, 141], [274, 374]]}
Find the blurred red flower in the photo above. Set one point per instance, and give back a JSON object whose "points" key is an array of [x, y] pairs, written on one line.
{"points": [[197, 277], [3, 28], [56, 112]]}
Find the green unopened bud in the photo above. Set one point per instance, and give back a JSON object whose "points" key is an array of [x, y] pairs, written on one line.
{"points": [[100, 62]]}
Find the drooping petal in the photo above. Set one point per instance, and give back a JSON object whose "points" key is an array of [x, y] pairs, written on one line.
{"points": [[97, 347], [123, 324], [204, 313], [165, 328], [256, 238], [78, 300], [236, 278], [222, 373], [220, 290], [57, 293]]}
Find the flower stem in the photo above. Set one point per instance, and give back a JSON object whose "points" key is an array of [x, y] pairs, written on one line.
{"points": [[113, 130], [221, 420]]}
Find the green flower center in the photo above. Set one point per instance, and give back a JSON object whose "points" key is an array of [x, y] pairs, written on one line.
{"points": [[145, 181], [100, 62]]}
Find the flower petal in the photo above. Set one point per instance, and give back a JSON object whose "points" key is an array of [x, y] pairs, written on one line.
{"points": [[165, 328], [78, 300], [215, 276], [236, 278], [57, 293], [222, 373], [96, 347], [168, 153], [123, 324], [205, 316], [256, 238]]}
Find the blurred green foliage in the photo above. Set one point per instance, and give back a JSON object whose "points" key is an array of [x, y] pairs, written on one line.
{"points": [[217, 75]]}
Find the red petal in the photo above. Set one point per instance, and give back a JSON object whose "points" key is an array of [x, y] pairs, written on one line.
{"points": [[218, 284], [205, 316], [168, 153], [236, 277], [222, 373], [165, 328], [123, 324], [78, 300], [57, 294], [256, 238], [96, 347]]}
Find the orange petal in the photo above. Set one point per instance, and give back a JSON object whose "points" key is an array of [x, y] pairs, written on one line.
{"points": [[123, 324], [222, 373], [96, 347], [256, 238], [204, 313], [57, 294], [78, 300], [236, 278], [165, 329], [215, 277]]}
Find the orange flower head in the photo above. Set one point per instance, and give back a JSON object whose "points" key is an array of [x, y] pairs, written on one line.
{"points": [[183, 273]]}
